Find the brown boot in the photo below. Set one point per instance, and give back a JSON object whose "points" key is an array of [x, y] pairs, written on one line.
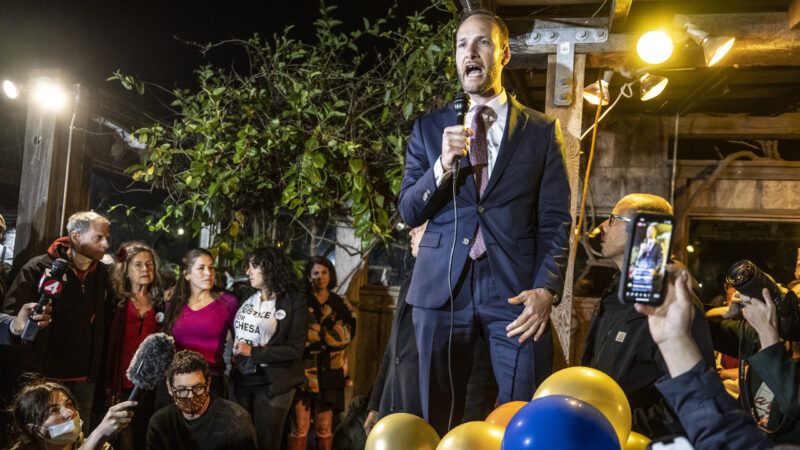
{"points": [[296, 443], [325, 443]]}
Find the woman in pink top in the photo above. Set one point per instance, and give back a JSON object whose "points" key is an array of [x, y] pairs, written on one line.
{"points": [[200, 315]]}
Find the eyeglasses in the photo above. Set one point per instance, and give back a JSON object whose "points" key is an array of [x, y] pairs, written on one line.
{"points": [[615, 217], [198, 390]]}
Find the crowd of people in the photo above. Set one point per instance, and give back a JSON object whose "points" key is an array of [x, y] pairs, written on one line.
{"points": [[489, 229], [285, 349]]}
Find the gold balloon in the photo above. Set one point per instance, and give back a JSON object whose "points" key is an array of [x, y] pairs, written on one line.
{"points": [[636, 442], [595, 388], [502, 414], [402, 431], [473, 436]]}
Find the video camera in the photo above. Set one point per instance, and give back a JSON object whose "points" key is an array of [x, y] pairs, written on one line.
{"points": [[749, 280]]}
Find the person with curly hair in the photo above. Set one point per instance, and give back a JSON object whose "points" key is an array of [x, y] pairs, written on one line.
{"points": [[200, 315], [331, 328], [270, 335], [46, 417], [140, 312]]}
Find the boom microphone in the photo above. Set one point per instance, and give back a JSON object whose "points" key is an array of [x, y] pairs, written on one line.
{"points": [[50, 287], [150, 362]]}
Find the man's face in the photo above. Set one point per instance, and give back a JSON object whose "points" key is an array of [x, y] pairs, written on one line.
{"points": [[480, 56], [94, 242], [614, 234]]}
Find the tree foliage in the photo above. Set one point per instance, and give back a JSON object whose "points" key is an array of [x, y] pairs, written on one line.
{"points": [[311, 133]]}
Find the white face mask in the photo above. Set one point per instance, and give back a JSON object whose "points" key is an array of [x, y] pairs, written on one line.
{"points": [[64, 433]]}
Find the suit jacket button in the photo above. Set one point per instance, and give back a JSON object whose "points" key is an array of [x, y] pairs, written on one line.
{"points": [[480, 208], [397, 360], [426, 195], [465, 241]]}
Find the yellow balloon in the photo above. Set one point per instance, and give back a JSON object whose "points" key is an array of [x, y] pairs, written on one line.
{"points": [[636, 442], [595, 388], [502, 414], [402, 431], [473, 436]]}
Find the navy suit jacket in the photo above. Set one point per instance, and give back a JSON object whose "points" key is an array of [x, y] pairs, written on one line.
{"points": [[524, 211]]}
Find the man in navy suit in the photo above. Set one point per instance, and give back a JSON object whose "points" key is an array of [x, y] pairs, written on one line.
{"points": [[509, 242]]}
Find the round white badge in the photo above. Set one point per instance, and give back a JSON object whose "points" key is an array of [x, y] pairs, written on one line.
{"points": [[280, 314]]}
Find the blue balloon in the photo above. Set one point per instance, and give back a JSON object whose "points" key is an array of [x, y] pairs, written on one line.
{"points": [[559, 422]]}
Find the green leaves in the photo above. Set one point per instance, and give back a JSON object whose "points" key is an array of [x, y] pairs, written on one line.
{"points": [[311, 131]]}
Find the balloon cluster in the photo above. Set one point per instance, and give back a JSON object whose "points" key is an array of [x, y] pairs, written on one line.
{"points": [[575, 408]]}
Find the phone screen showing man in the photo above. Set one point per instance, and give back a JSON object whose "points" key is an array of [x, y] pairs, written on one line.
{"points": [[648, 253]]}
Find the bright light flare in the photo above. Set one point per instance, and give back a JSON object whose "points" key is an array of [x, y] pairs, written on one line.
{"points": [[654, 47], [49, 95], [10, 89]]}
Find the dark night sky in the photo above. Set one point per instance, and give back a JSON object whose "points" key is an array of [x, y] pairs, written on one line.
{"points": [[91, 39]]}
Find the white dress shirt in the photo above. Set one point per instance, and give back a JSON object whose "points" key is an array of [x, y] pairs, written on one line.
{"points": [[495, 118]]}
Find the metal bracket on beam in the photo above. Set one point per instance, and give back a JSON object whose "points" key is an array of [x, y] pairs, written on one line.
{"points": [[565, 39]]}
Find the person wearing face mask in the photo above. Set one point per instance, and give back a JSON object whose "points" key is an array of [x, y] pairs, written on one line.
{"points": [[46, 417], [72, 349], [269, 342], [139, 313], [197, 420], [199, 315]]}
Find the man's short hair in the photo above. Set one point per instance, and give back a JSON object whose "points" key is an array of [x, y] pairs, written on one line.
{"points": [[489, 15], [187, 361], [645, 203], [82, 221]]}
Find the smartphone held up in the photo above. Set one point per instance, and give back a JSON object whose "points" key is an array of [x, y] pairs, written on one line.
{"points": [[643, 278]]}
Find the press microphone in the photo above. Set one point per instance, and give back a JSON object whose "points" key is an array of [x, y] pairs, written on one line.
{"points": [[150, 362], [50, 287], [461, 104]]}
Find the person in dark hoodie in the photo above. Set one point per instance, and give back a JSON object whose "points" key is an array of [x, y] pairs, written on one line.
{"points": [[72, 349]]}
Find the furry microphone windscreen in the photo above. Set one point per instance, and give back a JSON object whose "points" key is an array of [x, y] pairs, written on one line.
{"points": [[151, 360]]}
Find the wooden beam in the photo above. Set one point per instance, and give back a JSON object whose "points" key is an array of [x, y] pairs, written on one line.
{"points": [[618, 15], [42, 188], [761, 40], [785, 126], [794, 14], [570, 118], [470, 5]]}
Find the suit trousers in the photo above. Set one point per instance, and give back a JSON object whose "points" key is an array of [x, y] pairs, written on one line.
{"points": [[477, 310]]}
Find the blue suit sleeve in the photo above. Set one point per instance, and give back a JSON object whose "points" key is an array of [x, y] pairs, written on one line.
{"points": [[708, 414], [6, 338], [418, 193], [554, 219]]}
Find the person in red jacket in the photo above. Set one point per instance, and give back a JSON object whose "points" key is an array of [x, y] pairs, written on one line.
{"points": [[72, 349]]}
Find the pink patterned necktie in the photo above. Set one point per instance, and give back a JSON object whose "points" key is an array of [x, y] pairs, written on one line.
{"points": [[479, 158]]}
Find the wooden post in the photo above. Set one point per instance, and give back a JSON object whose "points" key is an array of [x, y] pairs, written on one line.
{"points": [[570, 118], [47, 141]]}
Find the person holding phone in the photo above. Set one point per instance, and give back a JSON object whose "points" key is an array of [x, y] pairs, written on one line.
{"points": [[619, 343]]}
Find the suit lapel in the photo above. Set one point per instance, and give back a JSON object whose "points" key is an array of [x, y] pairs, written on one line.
{"points": [[515, 128]]}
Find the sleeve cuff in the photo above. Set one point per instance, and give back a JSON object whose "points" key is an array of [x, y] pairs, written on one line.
{"points": [[438, 171]]}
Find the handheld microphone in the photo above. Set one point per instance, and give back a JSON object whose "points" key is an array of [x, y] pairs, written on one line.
{"points": [[50, 287], [150, 362], [461, 104]]}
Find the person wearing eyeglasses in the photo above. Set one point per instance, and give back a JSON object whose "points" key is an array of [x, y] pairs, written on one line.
{"points": [[619, 343], [196, 420]]}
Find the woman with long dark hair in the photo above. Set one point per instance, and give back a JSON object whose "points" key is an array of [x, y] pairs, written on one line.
{"points": [[139, 313], [46, 417], [270, 335], [200, 315], [331, 327]]}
